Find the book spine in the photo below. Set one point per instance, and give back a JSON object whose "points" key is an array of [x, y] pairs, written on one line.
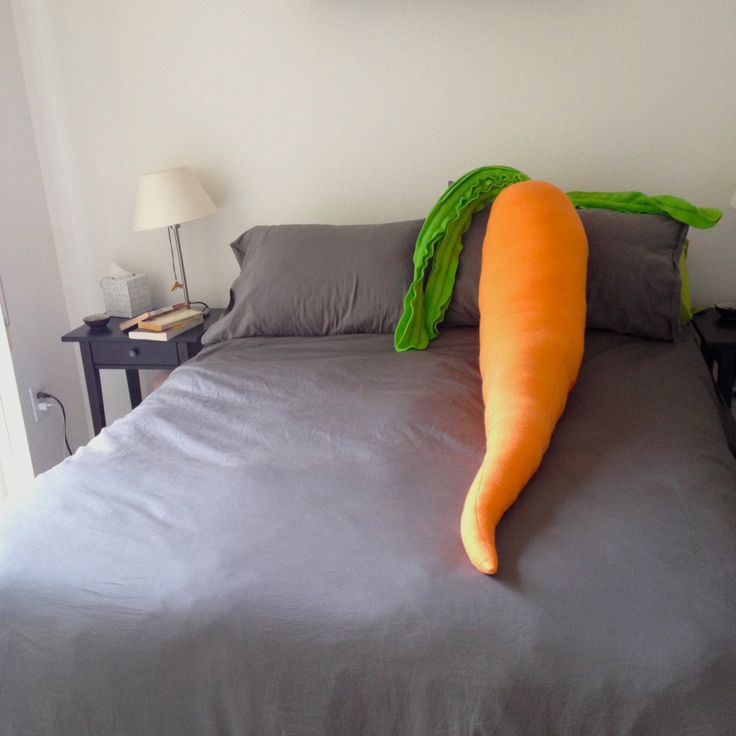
{"points": [[136, 321], [169, 333], [146, 335], [168, 322], [154, 327]]}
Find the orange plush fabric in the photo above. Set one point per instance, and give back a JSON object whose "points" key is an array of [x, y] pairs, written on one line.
{"points": [[532, 325]]}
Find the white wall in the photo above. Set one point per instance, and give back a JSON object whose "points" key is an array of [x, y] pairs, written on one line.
{"points": [[346, 111], [30, 271]]}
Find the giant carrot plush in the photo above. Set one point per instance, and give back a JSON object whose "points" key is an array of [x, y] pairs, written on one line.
{"points": [[532, 324]]}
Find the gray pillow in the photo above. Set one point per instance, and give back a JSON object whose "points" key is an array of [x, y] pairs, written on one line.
{"points": [[634, 282], [633, 275], [318, 280]]}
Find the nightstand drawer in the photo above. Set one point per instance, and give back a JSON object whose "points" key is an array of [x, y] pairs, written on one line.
{"points": [[135, 353]]}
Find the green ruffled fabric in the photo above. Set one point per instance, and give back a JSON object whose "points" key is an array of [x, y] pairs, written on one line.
{"points": [[660, 204], [439, 244], [438, 250]]}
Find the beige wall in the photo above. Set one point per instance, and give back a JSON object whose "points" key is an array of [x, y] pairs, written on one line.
{"points": [[30, 272], [345, 111]]}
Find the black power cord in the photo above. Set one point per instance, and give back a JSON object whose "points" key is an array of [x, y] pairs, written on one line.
{"points": [[206, 309], [43, 395]]}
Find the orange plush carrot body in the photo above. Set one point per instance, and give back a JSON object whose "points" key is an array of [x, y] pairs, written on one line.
{"points": [[532, 325]]}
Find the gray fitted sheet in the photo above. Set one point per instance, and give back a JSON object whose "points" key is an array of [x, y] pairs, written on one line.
{"points": [[269, 544]]}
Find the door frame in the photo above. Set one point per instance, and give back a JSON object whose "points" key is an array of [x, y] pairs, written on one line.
{"points": [[16, 466]]}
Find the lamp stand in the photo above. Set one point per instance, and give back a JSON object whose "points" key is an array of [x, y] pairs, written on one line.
{"points": [[174, 235]]}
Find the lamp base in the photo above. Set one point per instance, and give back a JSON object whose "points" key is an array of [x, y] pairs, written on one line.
{"points": [[175, 244]]}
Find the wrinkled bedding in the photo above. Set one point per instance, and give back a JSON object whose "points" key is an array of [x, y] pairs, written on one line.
{"points": [[270, 544]]}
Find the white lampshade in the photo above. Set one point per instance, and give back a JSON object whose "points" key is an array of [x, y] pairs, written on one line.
{"points": [[169, 198], [733, 200]]}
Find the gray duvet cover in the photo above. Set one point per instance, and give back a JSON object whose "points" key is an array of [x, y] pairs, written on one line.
{"points": [[269, 544]]}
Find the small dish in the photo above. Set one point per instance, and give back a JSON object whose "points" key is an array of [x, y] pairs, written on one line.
{"points": [[727, 310], [96, 321]]}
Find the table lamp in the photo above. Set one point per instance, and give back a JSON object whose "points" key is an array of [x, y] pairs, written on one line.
{"points": [[168, 199]]}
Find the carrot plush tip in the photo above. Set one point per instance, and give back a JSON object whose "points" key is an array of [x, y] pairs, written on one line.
{"points": [[532, 326]]}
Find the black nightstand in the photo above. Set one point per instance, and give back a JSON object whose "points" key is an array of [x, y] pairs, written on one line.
{"points": [[111, 348], [718, 345]]}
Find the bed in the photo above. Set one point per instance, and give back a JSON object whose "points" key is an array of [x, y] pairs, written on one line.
{"points": [[269, 544]]}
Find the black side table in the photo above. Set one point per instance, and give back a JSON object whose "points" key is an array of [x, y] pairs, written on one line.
{"points": [[718, 345], [111, 348]]}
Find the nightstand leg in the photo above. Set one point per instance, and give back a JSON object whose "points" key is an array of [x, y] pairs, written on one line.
{"points": [[726, 374], [707, 354], [94, 388], [134, 387]]}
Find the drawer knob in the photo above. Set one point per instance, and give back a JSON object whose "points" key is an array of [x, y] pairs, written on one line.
{"points": [[133, 352]]}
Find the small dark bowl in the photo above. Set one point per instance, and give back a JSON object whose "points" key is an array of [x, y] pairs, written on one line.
{"points": [[727, 310], [96, 321]]}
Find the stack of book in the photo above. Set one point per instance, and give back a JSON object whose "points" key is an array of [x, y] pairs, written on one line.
{"points": [[162, 324]]}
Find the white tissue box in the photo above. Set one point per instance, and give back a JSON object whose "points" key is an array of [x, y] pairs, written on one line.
{"points": [[126, 297]]}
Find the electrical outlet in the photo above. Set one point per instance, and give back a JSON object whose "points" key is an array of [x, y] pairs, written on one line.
{"points": [[34, 404], [37, 405]]}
